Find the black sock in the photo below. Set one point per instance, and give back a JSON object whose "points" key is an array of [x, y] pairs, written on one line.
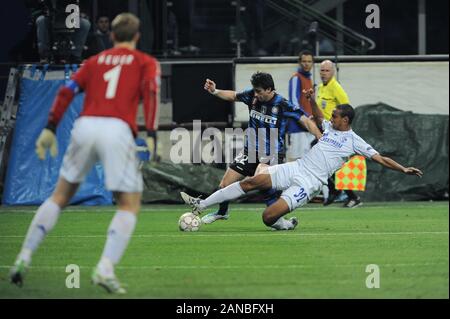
{"points": [[223, 208], [351, 195], [332, 189]]}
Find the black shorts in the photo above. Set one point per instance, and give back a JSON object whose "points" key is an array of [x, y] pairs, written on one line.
{"points": [[242, 165]]}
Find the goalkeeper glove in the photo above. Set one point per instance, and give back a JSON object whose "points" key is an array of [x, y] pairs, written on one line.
{"points": [[151, 143], [46, 140]]}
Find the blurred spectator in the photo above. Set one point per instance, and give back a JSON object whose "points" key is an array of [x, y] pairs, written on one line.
{"points": [[53, 12], [100, 39], [103, 33], [326, 46]]}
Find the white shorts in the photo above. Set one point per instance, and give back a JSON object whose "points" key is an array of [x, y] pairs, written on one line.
{"points": [[110, 141], [298, 144], [297, 184]]}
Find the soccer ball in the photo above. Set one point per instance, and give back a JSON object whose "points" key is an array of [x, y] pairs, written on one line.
{"points": [[189, 222]]}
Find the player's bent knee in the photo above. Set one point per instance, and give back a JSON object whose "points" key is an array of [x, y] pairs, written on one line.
{"points": [[249, 183], [262, 169], [63, 192], [275, 211], [129, 202], [259, 182], [269, 218]]}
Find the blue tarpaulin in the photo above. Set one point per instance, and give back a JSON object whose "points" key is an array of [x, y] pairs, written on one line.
{"points": [[29, 181]]}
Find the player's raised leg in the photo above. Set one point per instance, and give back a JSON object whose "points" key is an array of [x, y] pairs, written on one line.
{"points": [[230, 177], [119, 233], [231, 192], [43, 222]]}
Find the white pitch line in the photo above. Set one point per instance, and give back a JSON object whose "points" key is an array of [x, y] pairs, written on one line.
{"points": [[141, 211], [178, 209], [289, 266], [269, 233]]}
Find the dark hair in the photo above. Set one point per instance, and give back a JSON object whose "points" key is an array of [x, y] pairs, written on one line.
{"points": [[125, 26], [101, 16], [305, 52], [347, 111], [262, 80]]}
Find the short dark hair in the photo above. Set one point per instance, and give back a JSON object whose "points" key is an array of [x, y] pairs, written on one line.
{"points": [[262, 80], [305, 52], [125, 26], [101, 16], [347, 111]]}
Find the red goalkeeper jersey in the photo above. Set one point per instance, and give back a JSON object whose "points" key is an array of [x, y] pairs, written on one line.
{"points": [[114, 82]]}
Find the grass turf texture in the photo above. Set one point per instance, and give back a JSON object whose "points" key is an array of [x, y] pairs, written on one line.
{"points": [[325, 257]]}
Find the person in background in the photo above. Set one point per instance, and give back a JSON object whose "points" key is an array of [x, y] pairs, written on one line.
{"points": [[100, 39], [103, 33], [298, 139], [50, 9]]}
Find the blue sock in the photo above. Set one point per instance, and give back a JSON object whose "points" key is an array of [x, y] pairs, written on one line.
{"points": [[270, 196]]}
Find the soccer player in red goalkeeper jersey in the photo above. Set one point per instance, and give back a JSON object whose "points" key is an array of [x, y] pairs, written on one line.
{"points": [[114, 82]]}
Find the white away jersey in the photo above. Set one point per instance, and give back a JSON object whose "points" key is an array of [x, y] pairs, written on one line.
{"points": [[332, 151]]}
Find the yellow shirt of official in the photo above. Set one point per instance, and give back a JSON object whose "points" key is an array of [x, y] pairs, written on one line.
{"points": [[329, 96]]}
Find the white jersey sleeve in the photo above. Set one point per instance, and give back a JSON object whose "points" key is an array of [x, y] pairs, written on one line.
{"points": [[361, 147], [326, 125]]}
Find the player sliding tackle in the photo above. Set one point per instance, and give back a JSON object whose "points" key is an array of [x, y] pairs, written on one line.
{"points": [[269, 113], [114, 82], [303, 179]]}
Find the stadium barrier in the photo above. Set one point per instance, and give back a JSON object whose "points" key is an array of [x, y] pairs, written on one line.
{"points": [[410, 83], [30, 181]]}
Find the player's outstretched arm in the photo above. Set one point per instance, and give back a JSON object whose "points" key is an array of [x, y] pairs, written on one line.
{"points": [[316, 112], [226, 95], [311, 126], [390, 163]]}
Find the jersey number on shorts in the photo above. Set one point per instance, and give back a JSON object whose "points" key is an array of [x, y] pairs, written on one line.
{"points": [[300, 195], [112, 77]]}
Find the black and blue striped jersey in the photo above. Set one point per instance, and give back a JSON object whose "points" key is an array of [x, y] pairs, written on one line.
{"points": [[264, 119]]}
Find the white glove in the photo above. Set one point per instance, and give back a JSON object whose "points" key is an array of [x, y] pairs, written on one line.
{"points": [[46, 140]]}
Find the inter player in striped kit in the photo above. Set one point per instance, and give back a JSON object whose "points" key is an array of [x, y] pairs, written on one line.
{"points": [[114, 82], [302, 179], [268, 115]]}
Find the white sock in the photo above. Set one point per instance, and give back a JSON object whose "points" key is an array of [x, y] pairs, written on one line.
{"points": [[119, 234], [282, 224], [325, 192], [226, 194], [43, 222], [105, 267]]}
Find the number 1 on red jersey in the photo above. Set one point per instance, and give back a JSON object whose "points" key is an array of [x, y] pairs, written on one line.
{"points": [[112, 77]]}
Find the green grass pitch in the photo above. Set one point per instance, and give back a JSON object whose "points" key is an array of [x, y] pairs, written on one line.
{"points": [[325, 257]]}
